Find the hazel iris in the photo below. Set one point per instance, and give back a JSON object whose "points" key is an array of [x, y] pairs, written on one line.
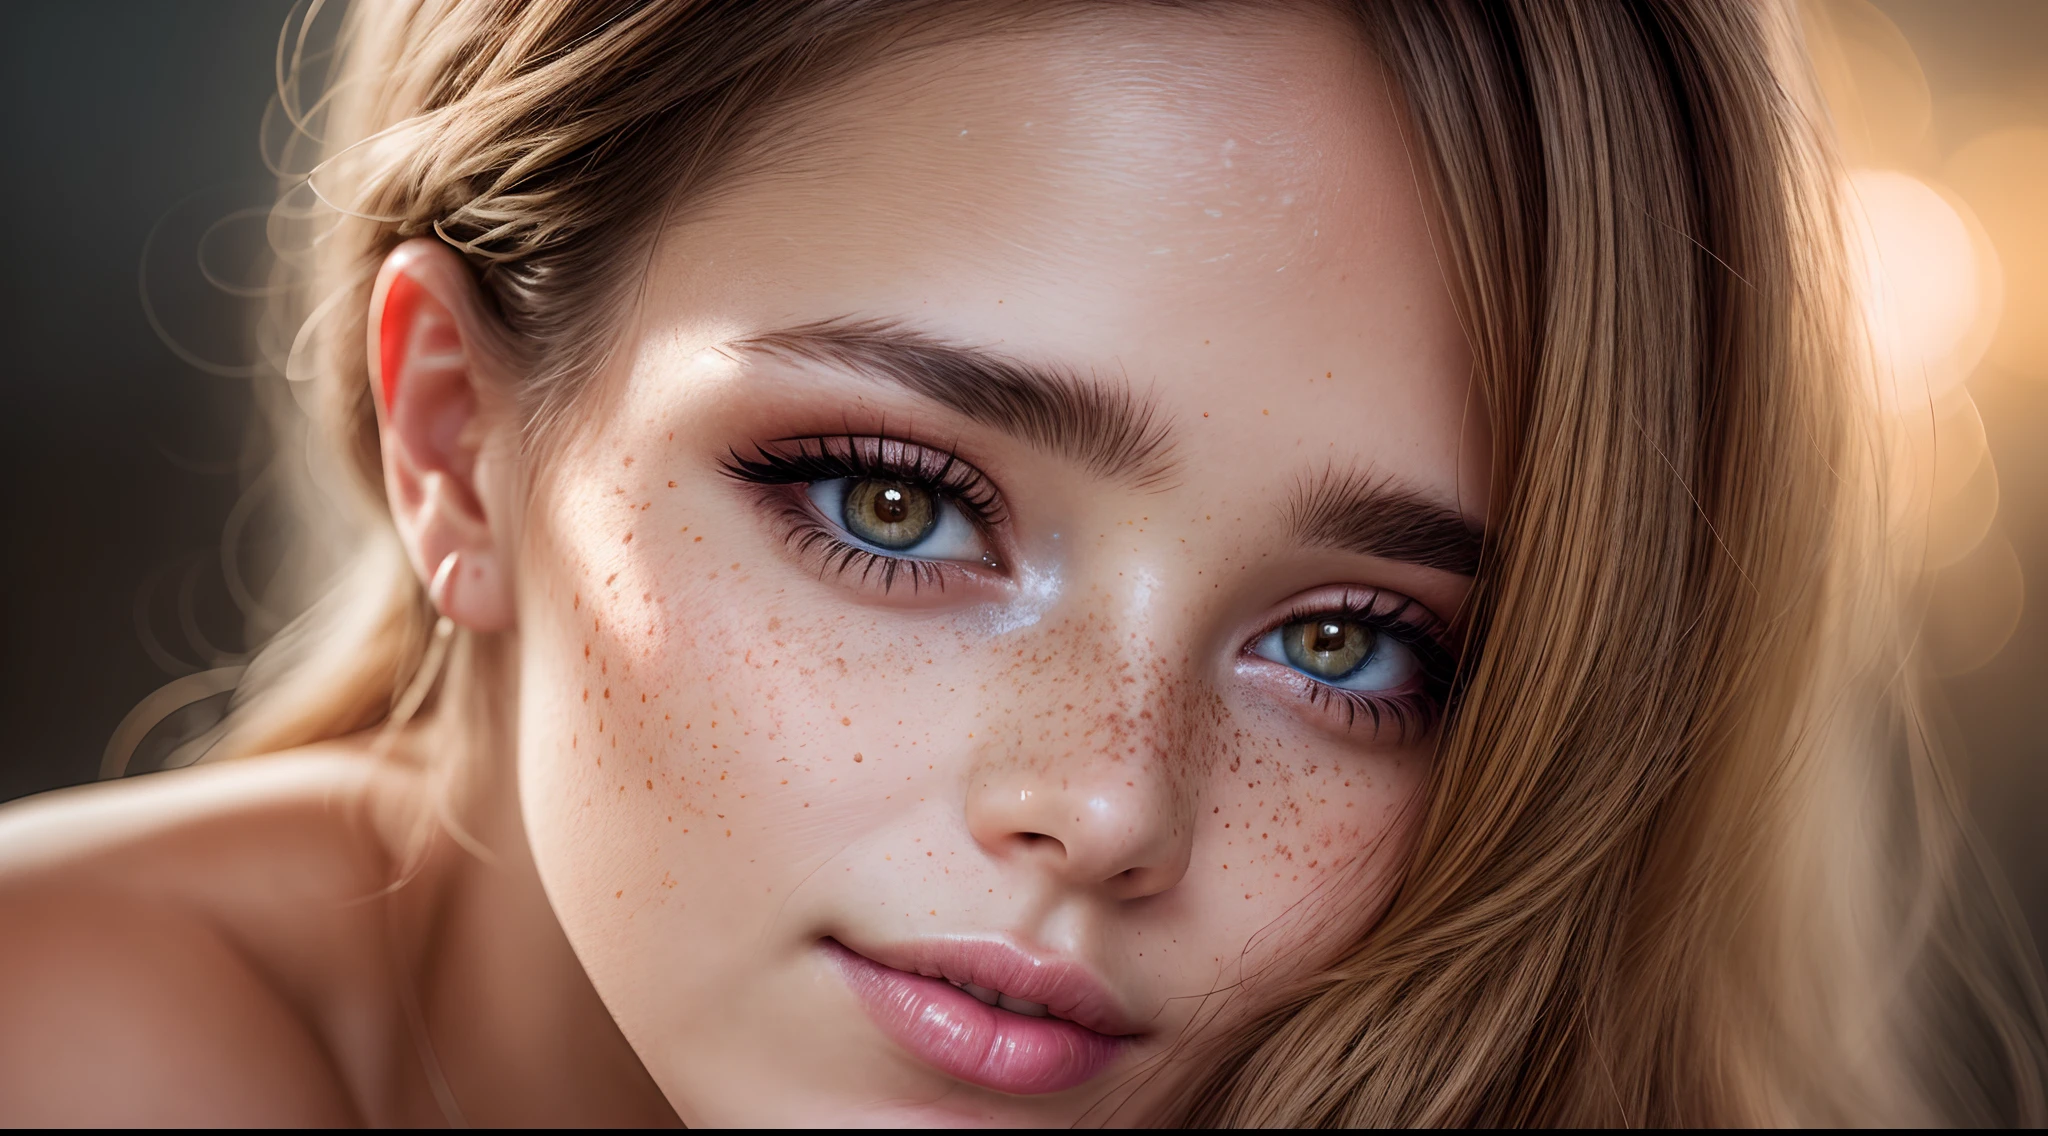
{"points": [[1327, 647], [889, 514]]}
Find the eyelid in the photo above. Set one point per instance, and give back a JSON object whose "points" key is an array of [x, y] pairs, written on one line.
{"points": [[1378, 608], [785, 474], [1413, 711], [824, 457]]}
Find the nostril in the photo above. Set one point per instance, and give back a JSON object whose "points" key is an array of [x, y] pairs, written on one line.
{"points": [[1040, 839]]}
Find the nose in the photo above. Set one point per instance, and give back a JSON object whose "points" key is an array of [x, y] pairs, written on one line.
{"points": [[1113, 819]]}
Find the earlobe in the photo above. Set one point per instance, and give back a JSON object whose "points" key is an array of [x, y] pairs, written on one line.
{"points": [[468, 590], [438, 417]]}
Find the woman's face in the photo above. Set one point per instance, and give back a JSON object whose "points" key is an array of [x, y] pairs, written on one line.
{"points": [[1009, 563]]}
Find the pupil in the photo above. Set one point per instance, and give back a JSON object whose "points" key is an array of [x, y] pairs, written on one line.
{"points": [[1328, 646], [889, 513], [1328, 638]]}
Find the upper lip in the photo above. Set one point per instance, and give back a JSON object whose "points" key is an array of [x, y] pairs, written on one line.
{"points": [[1067, 989]]}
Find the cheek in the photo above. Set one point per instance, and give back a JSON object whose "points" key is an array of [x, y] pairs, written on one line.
{"points": [[701, 729], [1299, 845], [691, 735]]}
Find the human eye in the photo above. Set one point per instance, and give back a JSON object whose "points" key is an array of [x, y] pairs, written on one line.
{"points": [[1364, 658], [883, 509]]}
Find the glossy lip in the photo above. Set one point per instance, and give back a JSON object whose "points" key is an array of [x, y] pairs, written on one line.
{"points": [[908, 990]]}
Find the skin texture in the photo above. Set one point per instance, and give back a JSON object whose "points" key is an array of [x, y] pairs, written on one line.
{"points": [[725, 752]]}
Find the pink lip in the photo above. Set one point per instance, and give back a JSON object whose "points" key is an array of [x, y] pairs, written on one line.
{"points": [[914, 1002]]}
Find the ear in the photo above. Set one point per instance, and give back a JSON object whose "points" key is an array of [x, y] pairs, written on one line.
{"points": [[442, 422]]}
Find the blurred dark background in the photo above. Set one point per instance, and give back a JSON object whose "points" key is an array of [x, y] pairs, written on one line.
{"points": [[132, 126], [119, 462]]}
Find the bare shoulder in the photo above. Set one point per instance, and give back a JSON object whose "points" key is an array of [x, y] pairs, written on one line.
{"points": [[182, 948]]}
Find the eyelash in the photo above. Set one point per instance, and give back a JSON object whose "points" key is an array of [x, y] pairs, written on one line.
{"points": [[1413, 713], [829, 458]]}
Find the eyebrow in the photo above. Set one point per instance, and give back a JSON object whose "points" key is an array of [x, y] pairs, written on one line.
{"points": [[1353, 511], [1112, 432], [1102, 426]]}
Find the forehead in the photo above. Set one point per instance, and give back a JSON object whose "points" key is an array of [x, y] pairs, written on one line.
{"points": [[1216, 205]]}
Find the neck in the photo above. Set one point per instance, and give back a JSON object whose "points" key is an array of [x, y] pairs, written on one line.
{"points": [[507, 1022]]}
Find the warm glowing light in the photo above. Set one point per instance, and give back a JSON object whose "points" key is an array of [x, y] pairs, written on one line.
{"points": [[1922, 273], [2004, 176], [1958, 523], [1872, 80]]}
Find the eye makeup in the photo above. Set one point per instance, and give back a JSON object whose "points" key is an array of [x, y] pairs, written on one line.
{"points": [[1363, 657], [885, 509]]}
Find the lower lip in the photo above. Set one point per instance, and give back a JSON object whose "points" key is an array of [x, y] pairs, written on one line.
{"points": [[964, 1037]]}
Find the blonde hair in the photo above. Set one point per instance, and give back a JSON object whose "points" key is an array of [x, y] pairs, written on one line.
{"points": [[1689, 855]]}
